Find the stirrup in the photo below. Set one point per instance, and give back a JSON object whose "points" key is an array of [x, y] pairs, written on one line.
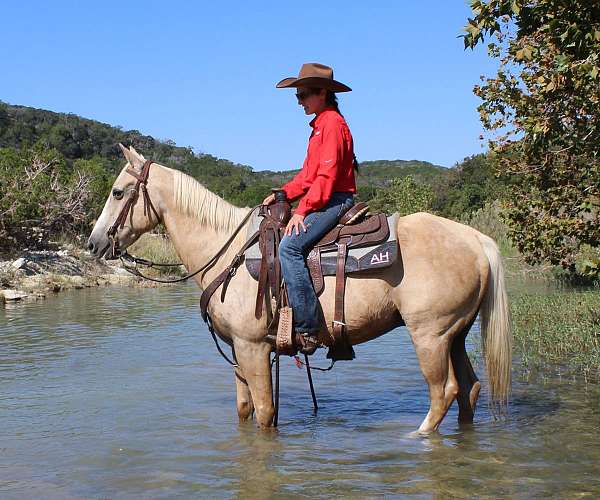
{"points": [[307, 344]]}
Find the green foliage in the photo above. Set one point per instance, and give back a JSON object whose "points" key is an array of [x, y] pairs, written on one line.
{"points": [[487, 220], [42, 195], [564, 326], [404, 196], [467, 188], [587, 264], [89, 148], [77, 138], [542, 110], [380, 172], [100, 183]]}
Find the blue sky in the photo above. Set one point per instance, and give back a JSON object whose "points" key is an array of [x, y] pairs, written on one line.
{"points": [[203, 73]]}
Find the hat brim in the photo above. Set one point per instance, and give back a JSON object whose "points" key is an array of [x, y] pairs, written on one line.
{"points": [[313, 81]]}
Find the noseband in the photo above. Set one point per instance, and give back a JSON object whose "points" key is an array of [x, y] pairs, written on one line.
{"points": [[127, 209]]}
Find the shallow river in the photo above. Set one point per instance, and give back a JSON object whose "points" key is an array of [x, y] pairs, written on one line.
{"points": [[120, 393]]}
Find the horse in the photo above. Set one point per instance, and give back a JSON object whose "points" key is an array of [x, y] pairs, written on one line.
{"points": [[445, 275]]}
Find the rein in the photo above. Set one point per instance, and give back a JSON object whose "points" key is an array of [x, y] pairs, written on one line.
{"points": [[212, 261], [141, 185], [222, 279]]}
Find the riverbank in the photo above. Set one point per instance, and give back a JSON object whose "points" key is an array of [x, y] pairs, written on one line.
{"points": [[35, 273], [29, 275]]}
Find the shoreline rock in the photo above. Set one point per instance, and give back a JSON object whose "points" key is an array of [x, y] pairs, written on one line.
{"points": [[36, 273], [10, 295]]}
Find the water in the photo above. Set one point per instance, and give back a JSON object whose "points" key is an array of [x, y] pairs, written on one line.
{"points": [[120, 393]]}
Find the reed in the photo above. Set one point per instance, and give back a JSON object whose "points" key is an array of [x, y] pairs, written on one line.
{"points": [[157, 248], [560, 328]]}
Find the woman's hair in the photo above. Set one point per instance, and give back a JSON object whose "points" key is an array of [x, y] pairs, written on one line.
{"points": [[332, 101]]}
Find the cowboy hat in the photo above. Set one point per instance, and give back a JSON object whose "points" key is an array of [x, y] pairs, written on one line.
{"points": [[314, 75]]}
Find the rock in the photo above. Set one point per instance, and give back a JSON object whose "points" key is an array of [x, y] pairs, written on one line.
{"points": [[54, 287], [78, 282], [20, 263], [13, 295]]}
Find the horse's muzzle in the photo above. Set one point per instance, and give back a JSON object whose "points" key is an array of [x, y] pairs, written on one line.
{"points": [[103, 248]]}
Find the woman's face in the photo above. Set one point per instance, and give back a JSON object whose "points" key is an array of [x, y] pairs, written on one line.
{"points": [[311, 102]]}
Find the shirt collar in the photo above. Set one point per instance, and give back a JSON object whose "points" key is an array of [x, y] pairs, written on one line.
{"points": [[315, 121]]}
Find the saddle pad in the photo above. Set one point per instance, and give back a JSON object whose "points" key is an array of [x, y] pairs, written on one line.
{"points": [[359, 259]]}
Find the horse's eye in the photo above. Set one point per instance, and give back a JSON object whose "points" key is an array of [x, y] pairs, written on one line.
{"points": [[117, 193]]}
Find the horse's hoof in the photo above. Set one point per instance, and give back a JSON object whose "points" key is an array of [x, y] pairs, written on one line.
{"points": [[419, 434]]}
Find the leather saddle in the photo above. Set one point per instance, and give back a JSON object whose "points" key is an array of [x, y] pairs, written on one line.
{"points": [[358, 243]]}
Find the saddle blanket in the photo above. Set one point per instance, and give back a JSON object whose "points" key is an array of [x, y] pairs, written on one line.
{"points": [[359, 259]]}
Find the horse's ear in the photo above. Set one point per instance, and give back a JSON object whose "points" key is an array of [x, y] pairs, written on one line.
{"points": [[135, 159], [128, 155]]}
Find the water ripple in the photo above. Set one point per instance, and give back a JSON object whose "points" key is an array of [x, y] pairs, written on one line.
{"points": [[118, 392]]}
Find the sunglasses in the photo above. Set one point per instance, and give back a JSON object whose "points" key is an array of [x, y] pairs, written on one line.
{"points": [[302, 95]]}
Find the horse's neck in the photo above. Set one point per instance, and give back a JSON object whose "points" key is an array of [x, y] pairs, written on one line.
{"points": [[197, 239]]}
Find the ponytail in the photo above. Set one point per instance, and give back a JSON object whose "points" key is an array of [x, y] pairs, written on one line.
{"points": [[332, 101]]}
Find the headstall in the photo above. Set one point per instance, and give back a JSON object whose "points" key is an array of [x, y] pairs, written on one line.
{"points": [[127, 209]]}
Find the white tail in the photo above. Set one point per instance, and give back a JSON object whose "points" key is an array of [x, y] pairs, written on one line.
{"points": [[496, 334]]}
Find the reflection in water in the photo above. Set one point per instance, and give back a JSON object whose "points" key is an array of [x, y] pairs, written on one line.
{"points": [[119, 393]]}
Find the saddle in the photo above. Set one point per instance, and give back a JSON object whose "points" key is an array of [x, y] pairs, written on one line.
{"points": [[359, 242]]}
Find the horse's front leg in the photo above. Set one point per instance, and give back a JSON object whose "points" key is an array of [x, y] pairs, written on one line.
{"points": [[255, 365], [245, 407]]}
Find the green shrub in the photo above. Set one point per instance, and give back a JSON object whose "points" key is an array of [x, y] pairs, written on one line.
{"points": [[41, 195]]}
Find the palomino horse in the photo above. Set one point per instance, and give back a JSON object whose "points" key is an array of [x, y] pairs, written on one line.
{"points": [[447, 273]]}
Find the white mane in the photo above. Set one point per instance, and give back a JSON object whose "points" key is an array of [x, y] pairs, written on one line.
{"points": [[193, 199]]}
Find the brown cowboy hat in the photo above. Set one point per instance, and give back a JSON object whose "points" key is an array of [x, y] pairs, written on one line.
{"points": [[314, 75]]}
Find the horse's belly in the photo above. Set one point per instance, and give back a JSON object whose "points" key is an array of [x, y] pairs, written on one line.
{"points": [[368, 309]]}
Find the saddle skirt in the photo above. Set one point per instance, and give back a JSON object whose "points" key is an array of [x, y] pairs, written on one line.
{"points": [[371, 256]]}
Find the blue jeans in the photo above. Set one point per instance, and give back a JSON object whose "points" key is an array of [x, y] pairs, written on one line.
{"points": [[293, 251]]}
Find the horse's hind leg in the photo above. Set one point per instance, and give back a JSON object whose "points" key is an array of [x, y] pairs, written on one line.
{"points": [[433, 352], [245, 407], [468, 383]]}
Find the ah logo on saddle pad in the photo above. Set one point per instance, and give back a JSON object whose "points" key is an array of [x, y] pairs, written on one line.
{"points": [[381, 258]]}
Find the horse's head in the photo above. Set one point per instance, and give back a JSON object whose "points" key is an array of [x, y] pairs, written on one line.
{"points": [[128, 212]]}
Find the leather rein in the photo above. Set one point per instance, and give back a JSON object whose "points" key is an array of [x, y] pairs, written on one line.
{"points": [[127, 211]]}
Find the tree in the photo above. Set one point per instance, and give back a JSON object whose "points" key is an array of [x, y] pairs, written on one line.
{"points": [[41, 196], [542, 113], [467, 188], [404, 196]]}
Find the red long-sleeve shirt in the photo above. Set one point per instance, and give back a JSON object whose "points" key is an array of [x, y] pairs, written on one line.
{"points": [[329, 164]]}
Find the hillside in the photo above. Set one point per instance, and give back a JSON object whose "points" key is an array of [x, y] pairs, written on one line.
{"points": [[67, 150], [80, 138], [379, 172], [77, 138]]}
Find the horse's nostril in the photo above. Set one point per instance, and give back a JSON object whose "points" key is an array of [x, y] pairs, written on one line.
{"points": [[90, 246]]}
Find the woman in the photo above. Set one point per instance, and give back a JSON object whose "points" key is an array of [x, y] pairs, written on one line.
{"points": [[325, 186]]}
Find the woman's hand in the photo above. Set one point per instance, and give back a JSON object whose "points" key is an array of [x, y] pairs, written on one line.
{"points": [[295, 222], [269, 199]]}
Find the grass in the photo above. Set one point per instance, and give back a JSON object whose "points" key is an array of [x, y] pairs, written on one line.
{"points": [[157, 248], [553, 324], [559, 328]]}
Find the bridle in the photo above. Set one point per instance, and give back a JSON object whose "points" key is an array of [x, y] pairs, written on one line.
{"points": [[127, 209]]}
